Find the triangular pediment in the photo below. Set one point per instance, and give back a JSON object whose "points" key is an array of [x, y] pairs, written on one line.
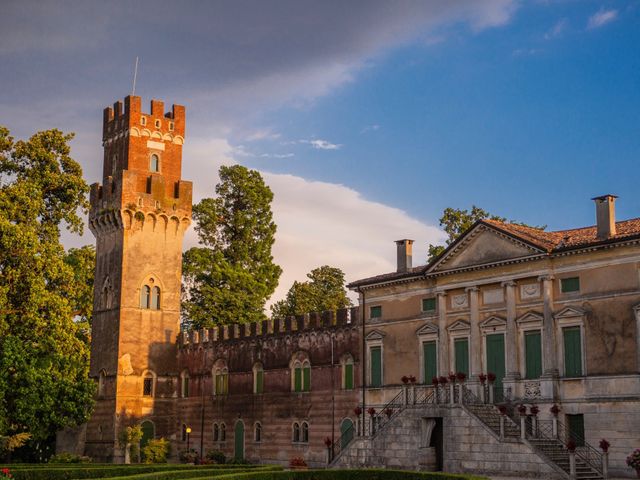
{"points": [[427, 329], [375, 335], [569, 312], [492, 322], [483, 245], [530, 318], [459, 326]]}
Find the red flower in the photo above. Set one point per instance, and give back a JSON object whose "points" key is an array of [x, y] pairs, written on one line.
{"points": [[388, 411], [604, 445], [443, 380], [483, 378], [491, 377], [357, 411], [412, 379], [452, 377], [534, 410], [571, 446], [555, 409], [503, 409], [327, 442], [405, 379], [461, 376], [434, 381], [522, 409], [371, 411]]}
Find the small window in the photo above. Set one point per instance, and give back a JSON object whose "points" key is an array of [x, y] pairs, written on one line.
{"points": [[375, 365], [257, 432], [301, 376], [568, 285], [375, 312], [304, 437], [155, 298], [145, 296], [347, 375], [184, 385], [114, 165], [157, 123], [216, 432], [171, 126], [258, 378], [223, 432], [102, 383], [221, 381], [428, 304], [572, 351], [295, 438], [143, 120], [154, 164], [147, 386]]}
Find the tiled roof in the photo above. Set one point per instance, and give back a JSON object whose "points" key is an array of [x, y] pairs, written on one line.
{"points": [[550, 242]]}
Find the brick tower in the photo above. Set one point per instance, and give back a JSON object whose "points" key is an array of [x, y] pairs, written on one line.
{"points": [[139, 216]]}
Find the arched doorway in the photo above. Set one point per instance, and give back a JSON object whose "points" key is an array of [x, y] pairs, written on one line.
{"points": [[238, 440], [346, 432], [148, 433]]}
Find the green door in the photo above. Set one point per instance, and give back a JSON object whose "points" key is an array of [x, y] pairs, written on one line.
{"points": [[533, 354], [148, 433], [576, 429], [238, 440], [346, 432], [430, 361], [495, 360]]}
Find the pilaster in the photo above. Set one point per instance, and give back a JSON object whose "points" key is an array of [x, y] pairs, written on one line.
{"points": [[443, 336], [475, 356]]}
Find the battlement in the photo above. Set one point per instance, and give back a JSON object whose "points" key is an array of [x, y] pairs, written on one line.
{"points": [[315, 321], [122, 117]]}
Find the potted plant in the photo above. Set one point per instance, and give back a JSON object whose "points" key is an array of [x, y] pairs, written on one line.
{"points": [[502, 409], [522, 410], [327, 442], [371, 411], [434, 381], [5, 473], [298, 463], [405, 379], [571, 446], [357, 411], [491, 377], [388, 412], [604, 445], [633, 461], [555, 410], [452, 377], [443, 380], [412, 379], [461, 377], [534, 410], [483, 378]]}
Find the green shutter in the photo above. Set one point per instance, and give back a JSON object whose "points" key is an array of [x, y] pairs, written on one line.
{"points": [[461, 346], [297, 379], [430, 363], [376, 312], [572, 352], [376, 367], [570, 284], [428, 304], [533, 355], [259, 381], [306, 377], [348, 376]]}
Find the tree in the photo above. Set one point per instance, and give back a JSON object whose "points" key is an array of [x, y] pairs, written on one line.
{"points": [[83, 263], [44, 384], [324, 291], [231, 275], [455, 222]]}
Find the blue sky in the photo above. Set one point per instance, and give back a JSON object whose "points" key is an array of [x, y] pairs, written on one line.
{"points": [[366, 118]]}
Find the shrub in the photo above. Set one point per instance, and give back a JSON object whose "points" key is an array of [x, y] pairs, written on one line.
{"points": [[297, 462], [363, 474], [633, 460], [69, 458], [216, 456], [156, 451], [188, 456]]}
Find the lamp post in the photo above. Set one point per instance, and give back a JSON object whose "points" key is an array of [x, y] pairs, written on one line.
{"points": [[188, 434]]}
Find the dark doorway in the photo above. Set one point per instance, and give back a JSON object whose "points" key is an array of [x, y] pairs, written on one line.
{"points": [[437, 441]]}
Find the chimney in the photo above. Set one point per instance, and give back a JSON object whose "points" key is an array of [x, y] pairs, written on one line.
{"points": [[605, 216], [404, 248]]}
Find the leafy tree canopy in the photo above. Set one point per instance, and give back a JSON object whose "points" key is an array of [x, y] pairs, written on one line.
{"points": [[231, 275], [44, 382], [82, 262], [323, 291], [456, 221]]}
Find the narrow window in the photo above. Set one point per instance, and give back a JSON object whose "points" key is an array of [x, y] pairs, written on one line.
{"points": [[430, 367], [568, 285], [114, 165], [216, 432], [154, 164], [258, 379], [347, 383], [222, 381], [375, 312], [572, 352], [306, 376], [171, 124], [576, 428], [533, 354], [143, 120], [429, 304], [375, 367], [257, 432], [147, 386], [297, 377], [223, 432], [461, 350], [102, 383], [296, 433], [185, 385], [157, 123], [305, 432], [155, 298], [145, 294]]}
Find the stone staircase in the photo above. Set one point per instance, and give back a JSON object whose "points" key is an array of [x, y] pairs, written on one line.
{"points": [[556, 452]]}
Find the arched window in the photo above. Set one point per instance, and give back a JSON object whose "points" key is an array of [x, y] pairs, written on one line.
{"points": [[220, 378], [155, 298], [184, 384], [300, 374], [258, 378], [145, 296], [295, 438], [154, 163], [257, 432], [347, 373], [223, 432], [102, 383], [305, 432], [148, 384], [216, 432]]}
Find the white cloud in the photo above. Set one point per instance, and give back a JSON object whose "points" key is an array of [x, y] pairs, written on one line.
{"points": [[263, 134], [318, 223], [557, 30], [277, 155], [320, 144], [601, 18], [370, 128]]}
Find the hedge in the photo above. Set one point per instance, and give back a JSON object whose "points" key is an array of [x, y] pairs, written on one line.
{"points": [[64, 472], [180, 474], [360, 474]]}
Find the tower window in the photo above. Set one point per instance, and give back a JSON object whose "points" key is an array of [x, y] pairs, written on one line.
{"points": [[157, 123], [223, 432], [143, 120], [147, 385], [145, 295], [154, 164], [155, 298], [257, 432], [171, 126], [295, 437]]}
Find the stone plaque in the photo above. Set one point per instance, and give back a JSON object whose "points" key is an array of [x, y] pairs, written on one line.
{"points": [[460, 301], [530, 290], [156, 145], [493, 296]]}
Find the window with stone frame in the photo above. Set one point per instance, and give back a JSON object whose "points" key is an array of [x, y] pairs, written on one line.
{"points": [[257, 432]]}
